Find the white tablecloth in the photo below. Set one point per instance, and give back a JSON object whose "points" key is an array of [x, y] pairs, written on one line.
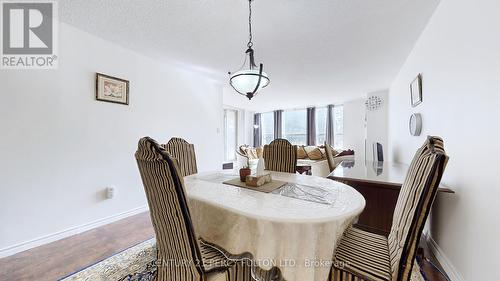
{"points": [[296, 235]]}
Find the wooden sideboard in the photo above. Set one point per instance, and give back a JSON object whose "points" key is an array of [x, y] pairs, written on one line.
{"points": [[379, 183]]}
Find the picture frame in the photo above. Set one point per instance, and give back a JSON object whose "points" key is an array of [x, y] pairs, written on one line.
{"points": [[416, 91], [111, 89]]}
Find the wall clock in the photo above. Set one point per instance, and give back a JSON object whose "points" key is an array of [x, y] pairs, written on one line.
{"points": [[415, 124], [373, 103]]}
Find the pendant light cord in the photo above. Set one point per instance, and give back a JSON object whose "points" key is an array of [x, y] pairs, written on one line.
{"points": [[250, 43]]}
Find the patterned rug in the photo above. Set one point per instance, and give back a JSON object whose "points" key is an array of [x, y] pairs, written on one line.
{"points": [[137, 263]]}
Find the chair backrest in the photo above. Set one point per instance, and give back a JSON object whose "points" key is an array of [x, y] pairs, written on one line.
{"points": [[413, 206], [183, 151], [378, 152], [280, 156], [329, 157], [178, 252]]}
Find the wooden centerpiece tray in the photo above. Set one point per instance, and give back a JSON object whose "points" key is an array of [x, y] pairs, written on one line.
{"points": [[266, 188]]}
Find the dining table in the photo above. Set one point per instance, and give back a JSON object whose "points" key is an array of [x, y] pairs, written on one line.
{"points": [[295, 227]]}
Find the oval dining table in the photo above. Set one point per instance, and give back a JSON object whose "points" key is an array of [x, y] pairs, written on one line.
{"points": [[295, 227]]}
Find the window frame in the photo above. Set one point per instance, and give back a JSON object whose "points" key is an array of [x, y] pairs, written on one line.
{"points": [[335, 133], [283, 128], [284, 112], [263, 138], [318, 143]]}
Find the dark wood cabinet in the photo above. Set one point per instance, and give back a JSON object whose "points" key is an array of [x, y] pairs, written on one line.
{"points": [[379, 183], [379, 209]]}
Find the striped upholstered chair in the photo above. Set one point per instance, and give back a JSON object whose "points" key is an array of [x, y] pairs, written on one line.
{"points": [[280, 156], [362, 255], [180, 256], [183, 151], [329, 157]]}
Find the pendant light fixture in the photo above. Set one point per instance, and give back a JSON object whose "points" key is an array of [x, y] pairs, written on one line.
{"points": [[249, 79]]}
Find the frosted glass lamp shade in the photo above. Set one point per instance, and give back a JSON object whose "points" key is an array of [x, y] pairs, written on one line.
{"points": [[245, 81]]}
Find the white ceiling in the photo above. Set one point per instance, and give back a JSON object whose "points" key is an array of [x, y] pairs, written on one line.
{"points": [[315, 51]]}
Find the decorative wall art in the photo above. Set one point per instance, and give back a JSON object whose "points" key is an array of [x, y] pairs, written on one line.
{"points": [[416, 91], [111, 89], [373, 103]]}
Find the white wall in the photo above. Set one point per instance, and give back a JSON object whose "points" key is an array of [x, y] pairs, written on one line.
{"points": [[60, 148], [354, 127], [377, 125], [458, 55]]}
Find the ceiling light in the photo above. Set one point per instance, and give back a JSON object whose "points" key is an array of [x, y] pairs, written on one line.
{"points": [[249, 79]]}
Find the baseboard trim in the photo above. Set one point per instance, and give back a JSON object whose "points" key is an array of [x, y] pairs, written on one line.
{"points": [[438, 253], [14, 249]]}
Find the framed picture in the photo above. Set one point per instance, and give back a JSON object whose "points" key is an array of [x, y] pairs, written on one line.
{"points": [[111, 89], [416, 91]]}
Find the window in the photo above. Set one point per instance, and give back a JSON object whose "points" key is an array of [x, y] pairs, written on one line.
{"points": [[230, 134], [295, 126], [321, 114], [267, 123], [338, 123]]}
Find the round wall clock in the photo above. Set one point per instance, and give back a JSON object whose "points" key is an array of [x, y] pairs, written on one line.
{"points": [[415, 124]]}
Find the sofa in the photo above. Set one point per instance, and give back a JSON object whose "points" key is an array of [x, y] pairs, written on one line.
{"points": [[313, 156], [247, 156]]}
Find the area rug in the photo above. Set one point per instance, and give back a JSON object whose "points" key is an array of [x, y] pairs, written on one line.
{"points": [[137, 263]]}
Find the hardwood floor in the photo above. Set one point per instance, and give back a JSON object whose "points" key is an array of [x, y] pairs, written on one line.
{"points": [[58, 259]]}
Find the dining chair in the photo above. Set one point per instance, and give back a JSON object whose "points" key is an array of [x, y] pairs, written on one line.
{"points": [[180, 256], [378, 152], [183, 151], [280, 156], [362, 255], [329, 157]]}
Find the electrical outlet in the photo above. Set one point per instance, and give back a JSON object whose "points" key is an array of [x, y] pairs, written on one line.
{"points": [[110, 192]]}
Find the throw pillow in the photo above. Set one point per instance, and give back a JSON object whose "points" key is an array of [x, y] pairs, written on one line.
{"points": [[252, 153], [259, 150], [301, 152], [314, 153]]}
